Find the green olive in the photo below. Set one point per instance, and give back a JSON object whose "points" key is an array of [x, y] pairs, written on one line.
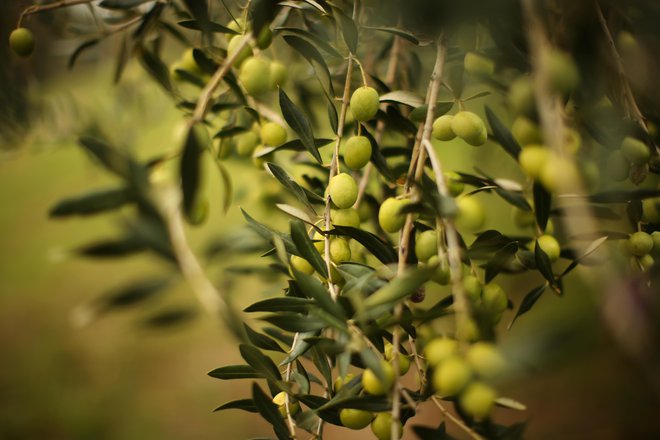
{"points": [[472, 288], [278, 74], [617, 166], [469, 127], [21, 42], [640, 244], [526, 132], [532, 159], [442, 128], [280, 401], [651, 210], [478, 64], [340, 251], [345, 217], [246, 143], [455, 185], [382, 427], [485, 359], [357, 152], [549, 245], [439, 349], [355, 418], [373, 385], [426, 245], [390, 217], [635, 151], [451, 376], [255, 75], [471, 214], [343, 190], [523, 219], [494, 301], [273, 134], [441, 274], [563, 74], [478, 400], [244, 54], [301, 265], [364, 103], [521, 96]]}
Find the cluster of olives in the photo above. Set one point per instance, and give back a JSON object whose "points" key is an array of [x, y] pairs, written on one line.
{"points": [[642, 247], [464, 124], [465, 376], [633, 152], [21, 42]]}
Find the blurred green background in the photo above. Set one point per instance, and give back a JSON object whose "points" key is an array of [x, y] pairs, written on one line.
{"points": [[116, 379]]}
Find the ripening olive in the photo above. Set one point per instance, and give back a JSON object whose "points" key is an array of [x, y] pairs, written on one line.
{"points": [[373, 385], [345, 217], [340, 250], [485, 359], [278, 74], [246, 143], [521, 96], [563, 74], [364, 103], [532, 159], [451, 376], [651, 210], [525, 131], [472, 288], [471, 214], [301, 265], [355, 418], [343, 190], [640, 244], [390, 217], [478, 400], [478, 64], [426, 245], [441, 274], [273, 134], [357, 152], [244, 54], [455, 185], [549, 245], [442, 128], [255, 75], [382, 427], [469, 127], [439, 349], [21, 42], [494, 301]]}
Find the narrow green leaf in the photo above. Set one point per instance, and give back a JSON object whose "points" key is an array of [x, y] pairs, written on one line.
{"points": [[374, 244], [544, 265], [622, 196], [313, 288], [269, 412], [80, 49], [291, 185], [92, 203], [395, 31], [261, 341], [299, 123], [209, 26], [267, 233], [156, 68], [261, 363], [502, 135], [282, 304], [242, 404], [542, 201], [404, 97], [400, 287], [131, 294], [232, 372], [349, 31], [292, 322], [113, 248], [190, 168], [528, 302]]}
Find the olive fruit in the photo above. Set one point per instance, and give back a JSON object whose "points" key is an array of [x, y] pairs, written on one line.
{"points": [[472, 288], [235, 25], [246, 143], [441, 274], [280, 401], [635, 151], [549, 245], [525, 131], [442, 128], [426, 245], [278, 74], [21, 42], [559, 173], [357, 152], [563, 74], [494, 301], [469, 127], [651, 210], [301, 265], [341, 381], [343, 190], [478, 64], [340, 250], [273, 134], [373, 385], [364, 103], [451, 376], [355, 418], [485, 359], [382, 427], [244, 54], [454, 184], [532, 159], [345, 217], [402, 360], [390, 217], [521, 96], [255, 75], [640, 244], [439, 349], [471, 214], [188, 63], [646, 261], [617, 166], [478, 400]]}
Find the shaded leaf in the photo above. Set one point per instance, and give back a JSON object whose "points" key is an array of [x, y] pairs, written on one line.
{"points": [[292, 322], [528, 302], [300, 124], [269, 412], [242, 404], [542, 201], [502, 135], [374, 244], [261, 363], [290, 184], [261, 341], [232, 372], [92, 203], [306, 247]]}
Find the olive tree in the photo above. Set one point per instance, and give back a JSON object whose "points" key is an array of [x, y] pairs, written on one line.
{"points": [[378, 223]]}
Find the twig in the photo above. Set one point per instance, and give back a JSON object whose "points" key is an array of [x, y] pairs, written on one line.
{"points": [[290, 422], [458, 422], [34, 9]]}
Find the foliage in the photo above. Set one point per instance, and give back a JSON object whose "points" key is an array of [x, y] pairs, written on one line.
{"points": [[352, 314]]}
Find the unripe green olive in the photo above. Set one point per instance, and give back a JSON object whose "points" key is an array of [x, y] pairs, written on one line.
{"points": [[246, 143], [390, 217], [301, 265], [532, 159], [651, 210], [521, 96], [340, 250], [626, 43], [343, 190], [549, 245], [646, 261], [265, 38], [478, 400], [559, 174], [355, 418], [451, 376], [373, 385], [635, 151], [454, 184], [442, 128], [469, 127], [364, 103], [441, 274], [345, 217], [341, 381], [478, 64], [357, 152], [403, 360], [523, 219], [472, 288], [526, 132], [640, 244], [235, 25], [278, 74], [382, 427], [188, 62], [617, 166], [563, 74], [485, 359], [273, 134], [21, 42], [439, 349], [255, 75], [280, 401], [244, 54], [471, 214], [494, 301], [426, 245]]}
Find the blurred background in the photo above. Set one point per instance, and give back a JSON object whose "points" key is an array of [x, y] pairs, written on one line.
{"points": [[120, 379]]}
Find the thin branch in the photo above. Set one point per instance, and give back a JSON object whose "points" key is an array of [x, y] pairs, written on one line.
{"points": [[35, 9], [458, 422]]}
